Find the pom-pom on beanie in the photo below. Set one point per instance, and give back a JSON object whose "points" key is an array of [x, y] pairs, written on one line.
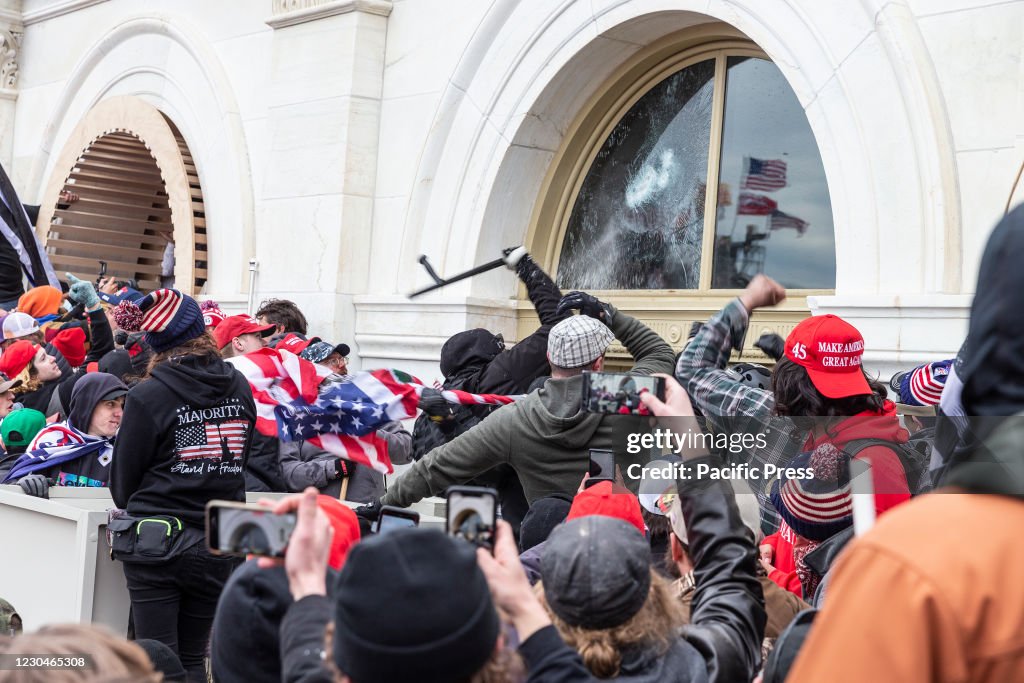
{"points": [[168, 317], [819, 507]]}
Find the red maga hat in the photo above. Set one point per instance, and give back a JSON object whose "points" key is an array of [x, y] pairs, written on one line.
{"points": [[831, 350], [236, 326]]}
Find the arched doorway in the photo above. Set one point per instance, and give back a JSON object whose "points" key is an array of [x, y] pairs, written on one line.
{"points": [[140, 206]]}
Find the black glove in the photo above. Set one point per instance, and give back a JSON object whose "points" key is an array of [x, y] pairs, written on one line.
{"points": [[370, 512], [35, 485], [772, 344], [588, 305], [341, 468], [434, 404]]}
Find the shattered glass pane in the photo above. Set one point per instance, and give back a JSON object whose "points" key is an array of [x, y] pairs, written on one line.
{"points": [[638, 221]]}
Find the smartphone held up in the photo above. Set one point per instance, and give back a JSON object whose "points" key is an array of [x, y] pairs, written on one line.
{"points": [[618, 393], [472, 515], [392, 518], [247, 530], [601, 468]]}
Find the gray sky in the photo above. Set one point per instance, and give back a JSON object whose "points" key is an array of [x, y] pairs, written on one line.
{"points": [[763, 119]]}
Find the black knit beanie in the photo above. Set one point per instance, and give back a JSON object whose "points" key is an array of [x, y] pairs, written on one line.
{"points": [[541, 519], [245, 637], [413, 605]]}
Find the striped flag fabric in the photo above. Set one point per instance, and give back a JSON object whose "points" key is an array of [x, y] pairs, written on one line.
{"points": [[210, 439], [782, 221], [276, 377], [764, 175], [756, 205], [17, 229], [340, 415], [55, 445]]}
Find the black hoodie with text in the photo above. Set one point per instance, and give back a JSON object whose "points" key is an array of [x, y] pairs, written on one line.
{"points": [[184, 439]]}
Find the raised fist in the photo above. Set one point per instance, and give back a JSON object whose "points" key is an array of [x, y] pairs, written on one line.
{"points": [[762, 291], [586, 304]]}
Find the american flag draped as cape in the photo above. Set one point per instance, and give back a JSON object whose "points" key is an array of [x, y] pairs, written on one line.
{"points": [[55, 445], [341, 416]]}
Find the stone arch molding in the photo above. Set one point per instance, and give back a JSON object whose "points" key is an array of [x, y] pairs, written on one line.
{"points": [[163, 61], [862, 73]]}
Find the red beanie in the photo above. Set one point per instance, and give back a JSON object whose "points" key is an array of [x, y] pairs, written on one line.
{"points": [[601, 500], [71, 344], [346, 528], [17, 357]]}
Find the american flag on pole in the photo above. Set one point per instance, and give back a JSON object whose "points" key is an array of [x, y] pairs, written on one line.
{"points": [[755, 205], [341, 416], [210, 439], [783, 221], [764, 174]]}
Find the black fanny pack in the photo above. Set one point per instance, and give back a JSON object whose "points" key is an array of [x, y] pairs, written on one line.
{"points": [[148, 539]]}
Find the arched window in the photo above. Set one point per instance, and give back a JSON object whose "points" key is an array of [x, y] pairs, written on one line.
{"points": [[708, 177]]}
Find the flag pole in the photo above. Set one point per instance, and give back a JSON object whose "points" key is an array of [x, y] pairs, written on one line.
{"points": [[736, 213]]}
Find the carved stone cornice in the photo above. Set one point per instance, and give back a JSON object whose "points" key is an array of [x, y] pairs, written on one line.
{"points": [[292, 12], [10, 45], [57, 9]]}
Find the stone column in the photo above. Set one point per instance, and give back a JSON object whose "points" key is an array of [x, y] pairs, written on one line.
{"points": [[11, 30], [316, 210]]}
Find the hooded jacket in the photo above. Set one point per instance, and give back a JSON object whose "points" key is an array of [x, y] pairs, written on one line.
{"points": [[184, 439], [82, 459], [545, 436]]}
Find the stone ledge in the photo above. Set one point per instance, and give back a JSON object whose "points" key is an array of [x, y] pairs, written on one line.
{"points": [[12, 18], [893, 305], [56, 10], [318, 9]]}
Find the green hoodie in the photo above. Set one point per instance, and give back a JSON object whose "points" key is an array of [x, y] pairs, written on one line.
{"points": [[546, 437]]}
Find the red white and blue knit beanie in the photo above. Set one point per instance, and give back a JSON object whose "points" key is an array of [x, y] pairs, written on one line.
{"points": [[168, 317], [819, 507], [923, 385]]}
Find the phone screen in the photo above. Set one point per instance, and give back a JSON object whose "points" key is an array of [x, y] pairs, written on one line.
{"points": [[390, 522], [472, 515], [616, 393], [250, 530], [602, 466]]}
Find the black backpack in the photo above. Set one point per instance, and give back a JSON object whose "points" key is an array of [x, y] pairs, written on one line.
{"points": [[914, 455]]}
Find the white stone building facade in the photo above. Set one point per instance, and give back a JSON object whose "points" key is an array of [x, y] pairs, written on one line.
{"points": [[337, 140]]}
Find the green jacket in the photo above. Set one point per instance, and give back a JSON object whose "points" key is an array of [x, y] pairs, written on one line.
{"points": [[545, 436]]}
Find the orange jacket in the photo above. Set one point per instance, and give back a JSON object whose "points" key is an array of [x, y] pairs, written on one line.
{"points": [[932, 594]]}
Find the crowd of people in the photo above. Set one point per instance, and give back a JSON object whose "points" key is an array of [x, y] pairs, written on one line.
{"points": [[694, 579]]}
